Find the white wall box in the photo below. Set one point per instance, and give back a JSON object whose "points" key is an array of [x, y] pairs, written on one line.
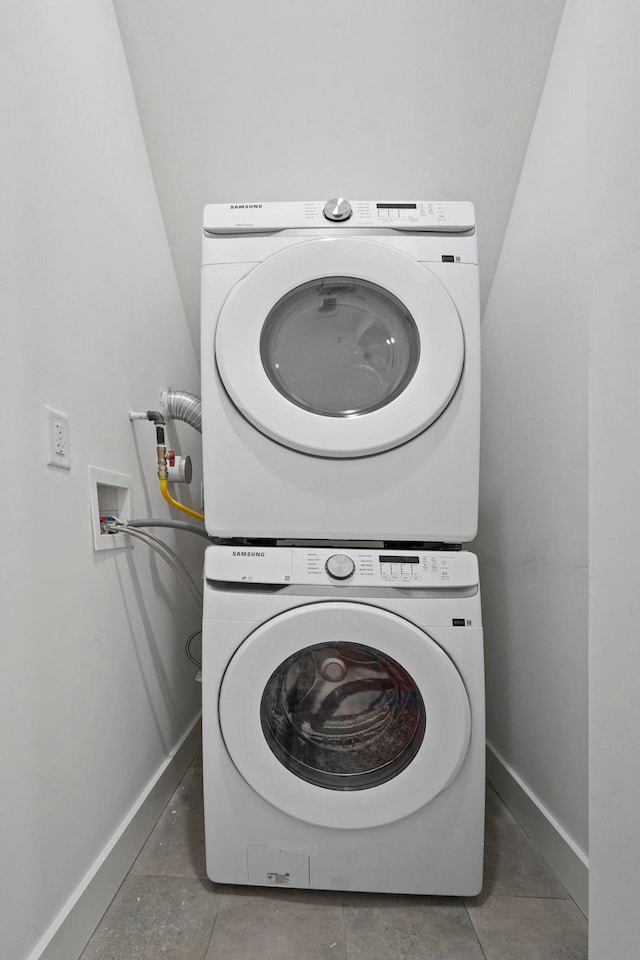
{"points": [[110, 495]]}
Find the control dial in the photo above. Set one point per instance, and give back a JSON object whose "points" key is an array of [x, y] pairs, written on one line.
{"points": [[340, 566], [338, 209]]}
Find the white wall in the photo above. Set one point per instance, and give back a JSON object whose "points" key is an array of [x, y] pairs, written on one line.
{"points": [[614, 478], [291, 100], [95, 687], [533, 541]]}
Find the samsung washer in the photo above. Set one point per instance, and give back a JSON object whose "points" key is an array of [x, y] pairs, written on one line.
{"points": [[343, 719], [341, 371]]}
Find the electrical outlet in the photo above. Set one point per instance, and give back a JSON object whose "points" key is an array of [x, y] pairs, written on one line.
{"points": [[58, 452]]}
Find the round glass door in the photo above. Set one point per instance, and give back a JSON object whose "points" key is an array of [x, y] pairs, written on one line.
{"points": [[343, 716], [340, 347]]}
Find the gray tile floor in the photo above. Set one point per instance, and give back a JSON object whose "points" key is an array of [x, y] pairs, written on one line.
{"points": [[166, 908]]}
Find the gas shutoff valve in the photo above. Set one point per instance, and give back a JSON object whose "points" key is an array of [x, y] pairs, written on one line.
{"points": [[178, 468]]}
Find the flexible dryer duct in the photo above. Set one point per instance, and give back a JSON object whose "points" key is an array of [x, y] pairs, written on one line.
{"points": [[180, 405]]}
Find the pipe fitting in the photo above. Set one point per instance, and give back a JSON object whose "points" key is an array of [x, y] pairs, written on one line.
{"points": [[161, 452]]}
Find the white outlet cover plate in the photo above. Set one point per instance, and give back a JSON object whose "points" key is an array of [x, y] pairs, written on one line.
{"points": [[56, 434]]}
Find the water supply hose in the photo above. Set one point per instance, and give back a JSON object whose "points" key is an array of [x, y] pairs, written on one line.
{"points": [[171, 524]]}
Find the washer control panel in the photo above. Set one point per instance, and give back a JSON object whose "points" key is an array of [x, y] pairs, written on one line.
{"points": [[430, 216], [332, 567]]}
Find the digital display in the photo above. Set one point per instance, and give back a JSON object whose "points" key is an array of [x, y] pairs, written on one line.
{"points": [[390, 559], [396, 206]]}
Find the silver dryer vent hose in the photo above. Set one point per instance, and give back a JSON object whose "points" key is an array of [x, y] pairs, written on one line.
{"points": [[180, 405]]}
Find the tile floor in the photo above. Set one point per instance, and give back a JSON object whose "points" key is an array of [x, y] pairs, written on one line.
{"points": [[166, 908]]}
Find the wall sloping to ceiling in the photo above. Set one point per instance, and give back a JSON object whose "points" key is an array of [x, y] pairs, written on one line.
{"points": [[362, 98], [95, 688]]}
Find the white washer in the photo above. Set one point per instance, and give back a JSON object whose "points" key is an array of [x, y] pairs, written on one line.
{"points": [[343, 719], [341, 371]]}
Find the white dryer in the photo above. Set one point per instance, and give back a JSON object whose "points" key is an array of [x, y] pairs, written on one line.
{"points": [[341, 371], [343, 719]]}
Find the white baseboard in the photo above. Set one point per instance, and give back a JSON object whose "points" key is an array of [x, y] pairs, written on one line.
{"points": [[566, 859], [69, 933]]}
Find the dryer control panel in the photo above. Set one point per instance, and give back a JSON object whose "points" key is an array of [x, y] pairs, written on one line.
{"points": [[335, 566], [426, 216]]}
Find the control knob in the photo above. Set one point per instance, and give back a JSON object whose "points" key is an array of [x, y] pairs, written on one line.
{"points": [[338, 209], [340, 566]]}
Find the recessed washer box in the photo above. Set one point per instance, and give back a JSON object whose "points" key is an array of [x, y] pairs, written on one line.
{"points": [[110, 496]]}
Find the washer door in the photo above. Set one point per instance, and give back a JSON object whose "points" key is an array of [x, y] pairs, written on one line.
{"points": [[340, 347], [344, 715]]}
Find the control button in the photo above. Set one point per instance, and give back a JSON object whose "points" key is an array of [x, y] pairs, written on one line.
{"points": [[340, 566], [338, 209]]}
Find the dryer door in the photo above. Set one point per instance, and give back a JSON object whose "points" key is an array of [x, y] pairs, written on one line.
{"points": [[340, 347], [344, 715]]}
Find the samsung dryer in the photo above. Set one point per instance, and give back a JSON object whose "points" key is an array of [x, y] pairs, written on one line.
{"points": [[341, 371], [343, 719]]}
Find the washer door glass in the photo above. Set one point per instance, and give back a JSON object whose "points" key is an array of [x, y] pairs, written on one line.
{"points": [[343, 716], [337, 732], [339, 346]]}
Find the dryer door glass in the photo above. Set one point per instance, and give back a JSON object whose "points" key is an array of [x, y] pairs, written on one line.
{"points": [[343, 716], [340, 347]]}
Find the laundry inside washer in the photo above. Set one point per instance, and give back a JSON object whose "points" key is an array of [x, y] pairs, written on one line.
{"points": [[345, 716]]}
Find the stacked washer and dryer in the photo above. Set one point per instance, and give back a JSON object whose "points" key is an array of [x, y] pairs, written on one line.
{"points": [[343, 677]]}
